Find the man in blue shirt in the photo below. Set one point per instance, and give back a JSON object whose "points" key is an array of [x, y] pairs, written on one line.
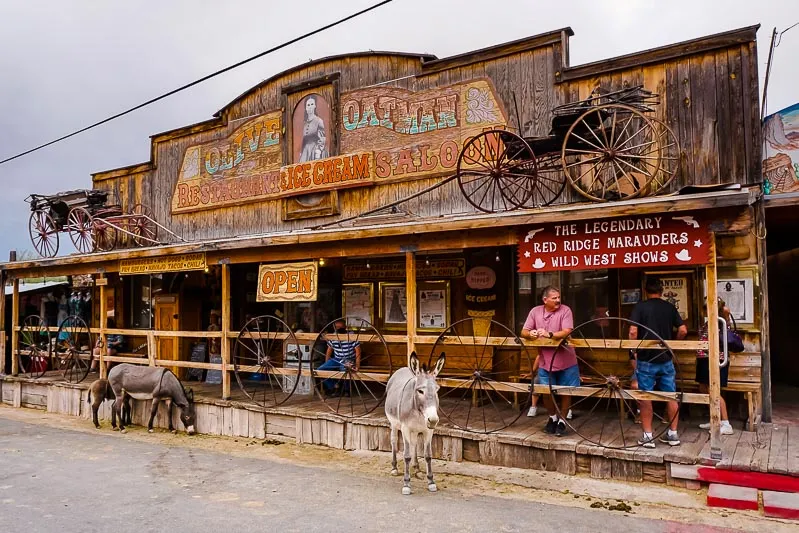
{"points": [[342, 354]]}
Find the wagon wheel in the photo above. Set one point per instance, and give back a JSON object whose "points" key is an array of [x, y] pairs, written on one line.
{"points": [[480, 388], [142, 225], [263, 347], [497, 171], [607, 393], [81, 226], [44, 233], [345, 390], [611, 152], [74, 348], [549, 182], [34, 347], [671, 159], [105, 236]]}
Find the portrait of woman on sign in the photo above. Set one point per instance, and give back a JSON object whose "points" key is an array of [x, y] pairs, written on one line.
{"points": [[310, 120]]}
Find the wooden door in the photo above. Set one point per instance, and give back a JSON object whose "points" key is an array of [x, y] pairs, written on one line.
{"points": [[166, 318]]}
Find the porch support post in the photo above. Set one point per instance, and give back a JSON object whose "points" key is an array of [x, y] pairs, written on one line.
{"points": [[410, 298], [225, 343], [765, 336], [3, 368], [713, 353], [103, 347], [14, 324]]}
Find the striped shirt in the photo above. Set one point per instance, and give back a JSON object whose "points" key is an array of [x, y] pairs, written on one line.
{"points": [[343, 351]]}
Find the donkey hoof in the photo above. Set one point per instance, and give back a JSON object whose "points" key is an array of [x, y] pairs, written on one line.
{"points": [[432, 487], [96, 427], [149, 431], [115, 428], [406, 491], [123, 430], [173, 431], [394, 472]]}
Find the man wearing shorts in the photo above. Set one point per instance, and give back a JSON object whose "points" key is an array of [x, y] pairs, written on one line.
{"points": [[558, 366], [654, 368]]}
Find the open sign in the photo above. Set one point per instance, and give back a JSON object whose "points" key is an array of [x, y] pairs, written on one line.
{"points": [[287, 282]]}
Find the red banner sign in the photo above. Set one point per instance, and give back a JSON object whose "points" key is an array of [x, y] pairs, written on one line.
{"points": [[640, 241]]}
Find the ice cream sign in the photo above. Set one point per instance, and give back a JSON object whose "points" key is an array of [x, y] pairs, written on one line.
{"points": [[640, 241]]}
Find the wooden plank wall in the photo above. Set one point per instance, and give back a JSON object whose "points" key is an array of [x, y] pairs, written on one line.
{"points": [[709, 99]]}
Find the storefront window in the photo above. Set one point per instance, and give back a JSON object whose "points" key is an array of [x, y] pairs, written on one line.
{"points": [[142, 290]]}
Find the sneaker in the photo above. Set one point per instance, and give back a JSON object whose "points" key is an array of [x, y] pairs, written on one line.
{"points": [[706, 425], [646, 442], [726, 429], [550, 427], [532, 411], [560, 429], [671, 440], [569, 415]]}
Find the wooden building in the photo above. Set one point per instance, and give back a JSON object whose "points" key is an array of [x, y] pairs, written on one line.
{"points": [[264, 201]]}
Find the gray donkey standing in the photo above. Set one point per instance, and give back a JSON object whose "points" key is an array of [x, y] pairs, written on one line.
{"points": [[152, 383], [99, 391], [412, 408]]}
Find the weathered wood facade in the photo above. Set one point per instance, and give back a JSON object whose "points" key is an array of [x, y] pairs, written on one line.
{"points": [[243, 187]]}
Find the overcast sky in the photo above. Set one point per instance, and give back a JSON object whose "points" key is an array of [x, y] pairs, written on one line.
{"points": [[67, 63]]}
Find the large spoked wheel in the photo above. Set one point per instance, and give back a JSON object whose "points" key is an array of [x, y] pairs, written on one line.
{"points": [[81, 229], [142, 226], [671, 160], [34, 347], [73, 348], [604, 408], [480, 389], [611, 152], [549, 182], [105, 236], [266, 361], [44, 233], [347, 386], [497, 171]]}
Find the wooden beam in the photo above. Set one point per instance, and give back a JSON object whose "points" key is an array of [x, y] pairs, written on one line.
{"points": [[14, 324], [3, 368], [103, 346], [765, 334], [225, 344], [152, 348], [713, 353], [410, 296]]}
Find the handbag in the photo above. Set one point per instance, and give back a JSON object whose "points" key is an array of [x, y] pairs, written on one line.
{"points": [[735, 343]]}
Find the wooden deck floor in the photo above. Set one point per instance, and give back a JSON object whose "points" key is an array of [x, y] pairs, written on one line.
{"points": [[774, 448]]}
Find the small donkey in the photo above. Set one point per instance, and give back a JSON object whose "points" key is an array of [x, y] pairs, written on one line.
{"points": [[99, 391], [412, 408], [152, 383]]}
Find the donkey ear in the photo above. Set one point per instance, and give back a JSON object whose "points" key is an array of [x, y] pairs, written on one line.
{"points": [[190, 395], [439, 364], [413, 363]]}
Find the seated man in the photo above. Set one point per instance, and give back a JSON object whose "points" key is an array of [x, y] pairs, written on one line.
{"points": [[113, 345], [342, 353]]}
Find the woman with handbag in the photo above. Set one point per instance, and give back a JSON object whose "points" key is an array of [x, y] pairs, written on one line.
{"points": [[734, 344]]}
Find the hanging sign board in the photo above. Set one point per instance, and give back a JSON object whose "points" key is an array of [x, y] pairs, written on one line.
{"points": [[288, 282], [153, 265], [436, 269], [639, 241]]}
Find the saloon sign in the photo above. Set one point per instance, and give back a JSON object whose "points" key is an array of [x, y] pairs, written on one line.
{"points": [[640, 241]]}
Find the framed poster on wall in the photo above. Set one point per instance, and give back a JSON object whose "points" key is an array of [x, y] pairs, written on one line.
{"points": [[434, 308], [393, 305], [678, 290], [738, 287], [357, 302]]}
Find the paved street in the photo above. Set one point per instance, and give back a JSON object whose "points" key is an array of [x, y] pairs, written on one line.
{"points": [[55, 479]]}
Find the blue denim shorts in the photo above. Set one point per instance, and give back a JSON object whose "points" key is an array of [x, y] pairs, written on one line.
{"points": [[656, 376], [568, 377]]}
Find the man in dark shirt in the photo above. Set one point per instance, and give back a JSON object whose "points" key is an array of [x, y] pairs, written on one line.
{"points": [[654, 368]]}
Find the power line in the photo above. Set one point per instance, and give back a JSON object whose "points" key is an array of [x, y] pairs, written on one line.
{"points": [[204, 78]]}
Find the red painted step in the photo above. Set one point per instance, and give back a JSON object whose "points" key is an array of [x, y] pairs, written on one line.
{"points": [[755, 480], [742, 498], [781, 504]]}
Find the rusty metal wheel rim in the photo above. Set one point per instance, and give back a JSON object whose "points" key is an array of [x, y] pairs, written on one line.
{"points": [[105, 236], [81, 229], [500, 396], [612, 387], [617, 164], [34, 347], [492, 175], [43, 233], [74, 346], [671, 159], [260, 350], [142, 226], [366, 389]]}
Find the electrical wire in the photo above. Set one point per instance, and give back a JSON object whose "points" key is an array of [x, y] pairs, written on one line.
{"points": [[196, 82]]}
